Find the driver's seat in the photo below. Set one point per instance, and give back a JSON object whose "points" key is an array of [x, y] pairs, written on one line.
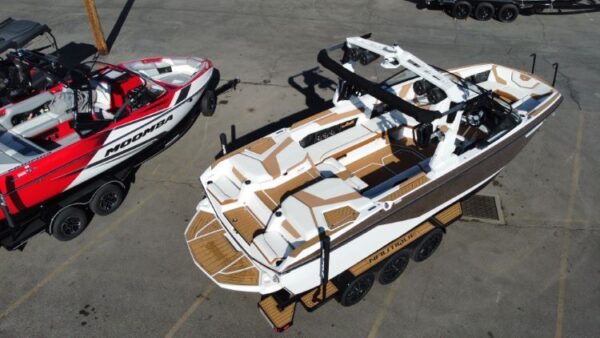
{"points": [[101, 101]]}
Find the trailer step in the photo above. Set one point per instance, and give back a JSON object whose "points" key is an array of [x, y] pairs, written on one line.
{"points": [[280, 319], [313, 298]]}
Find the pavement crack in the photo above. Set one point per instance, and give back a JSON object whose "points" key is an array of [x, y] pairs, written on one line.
{"points": [[171, 181], [543, 29], [587, 227], [266, 83]]}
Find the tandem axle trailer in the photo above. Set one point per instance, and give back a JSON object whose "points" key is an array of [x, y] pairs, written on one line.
{"points": [[507, 10], [384, 265]]}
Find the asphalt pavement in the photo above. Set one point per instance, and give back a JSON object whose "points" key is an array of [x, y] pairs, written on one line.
{"points": [[130, 275]]}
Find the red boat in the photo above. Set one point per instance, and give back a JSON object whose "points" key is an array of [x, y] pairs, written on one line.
{"points": [[71, 140]]}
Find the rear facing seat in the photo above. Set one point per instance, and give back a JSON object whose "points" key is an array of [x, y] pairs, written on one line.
{"points": [[23, 107], [59, 113]]}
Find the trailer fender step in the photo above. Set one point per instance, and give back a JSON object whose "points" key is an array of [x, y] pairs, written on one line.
{"points": [[314, 298], [280, 319]]}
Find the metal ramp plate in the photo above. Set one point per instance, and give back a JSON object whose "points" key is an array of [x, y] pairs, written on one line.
{"points": [[483, 208]]}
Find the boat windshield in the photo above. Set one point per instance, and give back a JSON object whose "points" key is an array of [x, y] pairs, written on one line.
{"points": [[126, 87]]}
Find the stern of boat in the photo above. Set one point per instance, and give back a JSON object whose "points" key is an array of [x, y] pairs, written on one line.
{"points": [[218, 256]]}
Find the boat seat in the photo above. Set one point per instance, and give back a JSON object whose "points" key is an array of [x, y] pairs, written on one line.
{"points": [[102, 100], [332, 167], [23, 107], [59, 113], [224, 189], [175, 78], [272, 246], [248, 166], [384, 123], [272, 162], [341, 143]]}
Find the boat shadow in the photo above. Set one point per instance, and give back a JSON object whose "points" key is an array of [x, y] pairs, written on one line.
{"points": [[306, 83], [74, 53]]}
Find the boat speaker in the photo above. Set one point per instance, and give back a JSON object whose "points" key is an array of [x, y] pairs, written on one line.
{"points": [[421, 87], [435, 95], [367, 57], [422, 134]]}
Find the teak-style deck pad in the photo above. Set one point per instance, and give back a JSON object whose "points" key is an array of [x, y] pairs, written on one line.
{"points": [[407, 186], [242, 272], [244, 222], [384, 163], [213, 252], [340, 216], [200, 225], [278, 318], [450, 214], [272, 197], [314, 297]]}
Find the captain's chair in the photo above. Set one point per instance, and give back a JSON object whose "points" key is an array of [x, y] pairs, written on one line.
{"points": [[101, 101]]}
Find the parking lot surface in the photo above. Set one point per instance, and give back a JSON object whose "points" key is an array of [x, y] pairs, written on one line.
{"points": [[130, 275]]}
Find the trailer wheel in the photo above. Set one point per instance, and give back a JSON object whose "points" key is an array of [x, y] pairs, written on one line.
{"points": [[357, 289], [484, 11], [69, 223], [461, 10], [508, 13], [427, 246], [107, 199], [208, 102], [393, 267]]}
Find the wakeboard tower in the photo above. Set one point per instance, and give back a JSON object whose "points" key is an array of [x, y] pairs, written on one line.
{"points": [[72, 138], [323, 208]]}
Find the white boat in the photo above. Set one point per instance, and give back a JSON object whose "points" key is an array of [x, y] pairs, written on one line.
{"points": [[355, 190]]}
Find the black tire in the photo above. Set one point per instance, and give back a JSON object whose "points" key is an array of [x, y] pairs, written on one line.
{"points": [[427, 245], [461, 10], [69, 223], [484, 11], [357, 289], [393, 267], [508, 13], [107, 199], [208, 102]]}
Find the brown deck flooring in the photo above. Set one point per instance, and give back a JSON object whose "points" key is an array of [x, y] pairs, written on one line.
{"points": [[244, 222], [272, 197], [387, 162], [279, 318], [199, 225], [213, 252]]}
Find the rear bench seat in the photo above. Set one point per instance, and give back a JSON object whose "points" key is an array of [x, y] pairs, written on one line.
{"points": [[59, 113]]}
